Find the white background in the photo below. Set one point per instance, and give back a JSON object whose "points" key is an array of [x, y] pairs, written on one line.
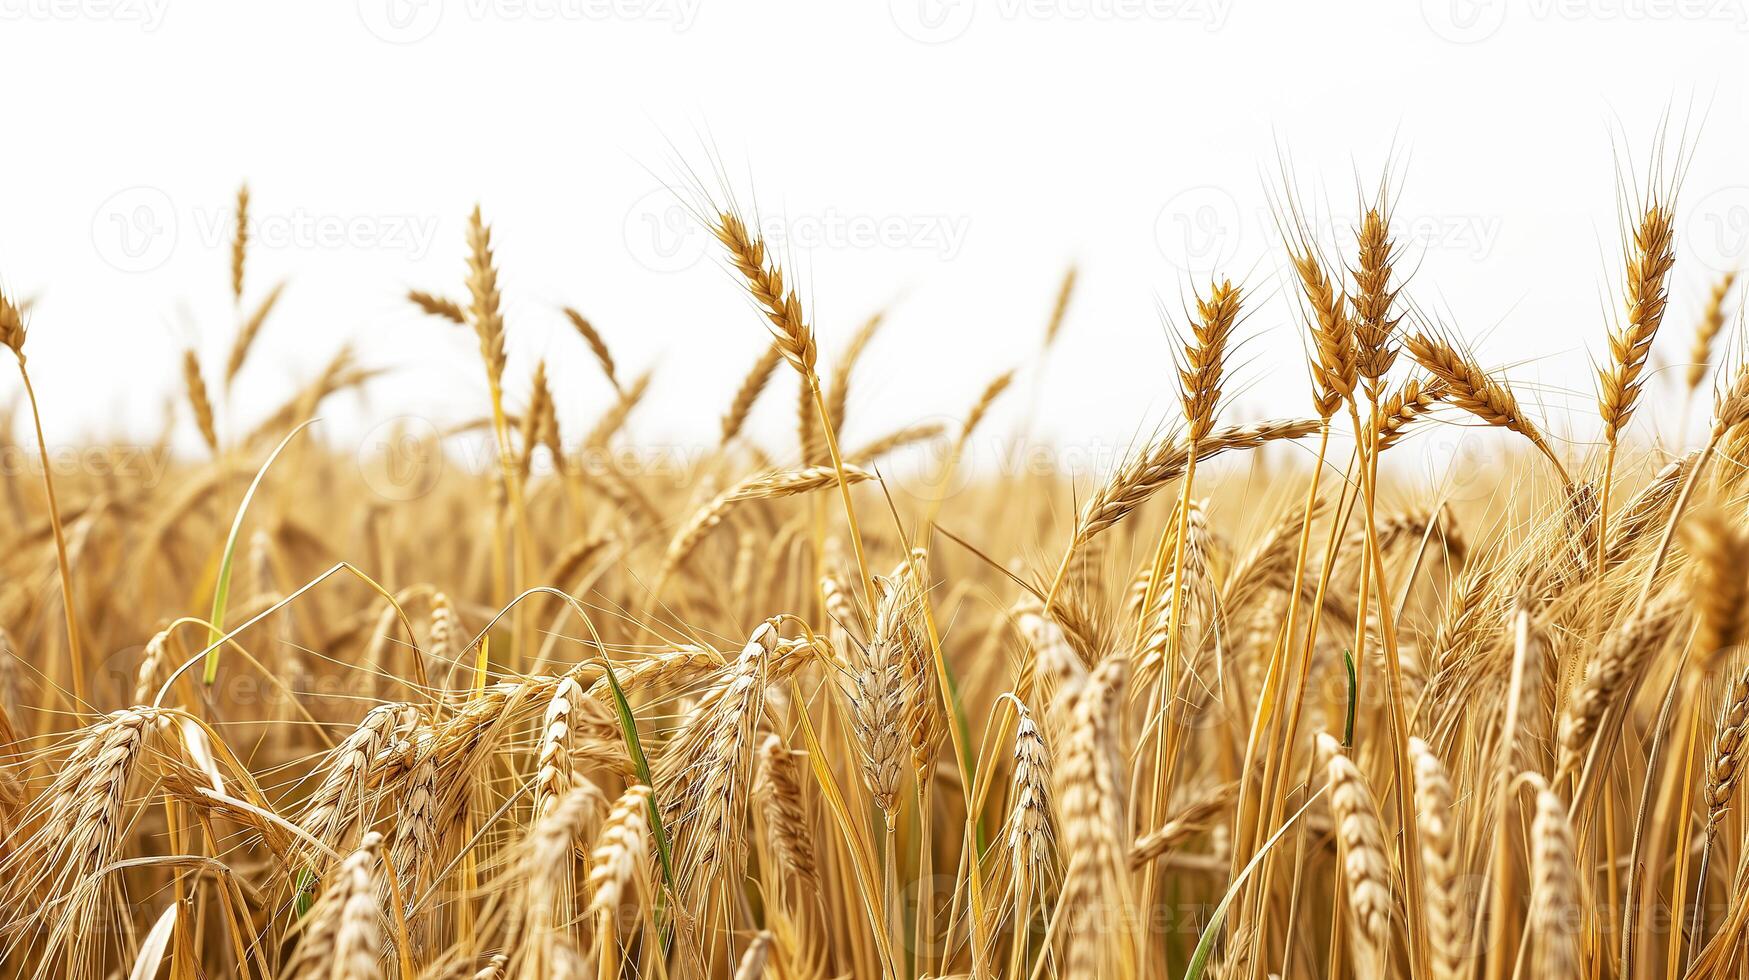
{"points": [[987, 144]]}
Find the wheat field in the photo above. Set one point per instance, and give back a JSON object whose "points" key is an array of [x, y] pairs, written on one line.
{"points": [[1249, 704]]}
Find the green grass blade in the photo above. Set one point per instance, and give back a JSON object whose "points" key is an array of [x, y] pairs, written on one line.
{"points": [[1348, 724], [222, 589], [1205, 947], [968, 758], [628, 724]]}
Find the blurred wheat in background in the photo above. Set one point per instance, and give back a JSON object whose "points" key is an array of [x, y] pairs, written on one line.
{"points": [[804, 711]]}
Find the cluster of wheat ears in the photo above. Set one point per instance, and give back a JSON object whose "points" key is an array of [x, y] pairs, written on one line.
{"points": [[783, 718]]}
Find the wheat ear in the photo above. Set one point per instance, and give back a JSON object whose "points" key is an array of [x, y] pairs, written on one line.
{"points": [[1335, 368], [1712, 322], [1473, 390], [1374, 297], [240, 245], [1440, 862], [199, 401], [597, 345], [438, 306], [1364, 865], [1649, 259]]}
